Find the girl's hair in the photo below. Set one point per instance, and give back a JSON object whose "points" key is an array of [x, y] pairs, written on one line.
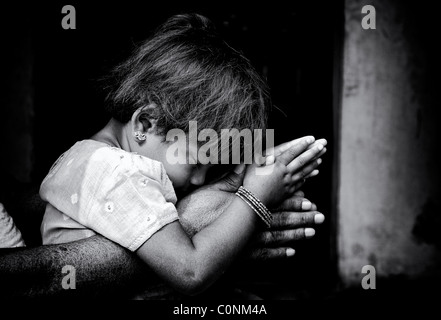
{"points": [[188, 73]]}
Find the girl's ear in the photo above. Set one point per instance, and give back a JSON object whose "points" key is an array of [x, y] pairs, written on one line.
{"points": [[143, 120]]}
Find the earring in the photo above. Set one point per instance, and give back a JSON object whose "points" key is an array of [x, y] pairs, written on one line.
{"points": [[139, 135]]}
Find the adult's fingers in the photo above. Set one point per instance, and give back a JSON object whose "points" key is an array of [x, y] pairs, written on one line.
{"points": [[293, 220], [263, 254], [294, 203], [295, 150], [275, 238]]}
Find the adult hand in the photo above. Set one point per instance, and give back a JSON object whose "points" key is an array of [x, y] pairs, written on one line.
{"points": [[294, 220]]}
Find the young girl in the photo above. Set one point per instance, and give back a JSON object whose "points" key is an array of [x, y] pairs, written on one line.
{"points": [[120, 183]]}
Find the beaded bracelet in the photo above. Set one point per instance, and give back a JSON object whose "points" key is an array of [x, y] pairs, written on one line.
{"points": [[258, 203], [258, 207]]}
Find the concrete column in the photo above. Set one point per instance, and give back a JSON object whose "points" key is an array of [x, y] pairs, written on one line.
{"points": [[389, 183]]}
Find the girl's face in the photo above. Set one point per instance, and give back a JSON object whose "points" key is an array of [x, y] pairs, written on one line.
{"points": [[179, 160], [186, 177]]}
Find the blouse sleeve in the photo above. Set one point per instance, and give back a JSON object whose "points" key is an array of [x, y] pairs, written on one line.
{"points": [[123, 196]]}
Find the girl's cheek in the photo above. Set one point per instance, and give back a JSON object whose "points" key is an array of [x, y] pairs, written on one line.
{"points": [[182, 177]]}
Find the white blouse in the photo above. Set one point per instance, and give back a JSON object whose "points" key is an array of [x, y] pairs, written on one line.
{"points": [[94, 188]]}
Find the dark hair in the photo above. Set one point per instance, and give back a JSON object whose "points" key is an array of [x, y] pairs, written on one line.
{"points": [[189, 73]]}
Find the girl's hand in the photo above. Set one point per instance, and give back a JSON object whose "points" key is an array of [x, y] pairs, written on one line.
{"points": [[287, 169]]}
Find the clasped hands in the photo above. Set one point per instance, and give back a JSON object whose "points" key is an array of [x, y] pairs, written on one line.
{"points": [[294, 219]]}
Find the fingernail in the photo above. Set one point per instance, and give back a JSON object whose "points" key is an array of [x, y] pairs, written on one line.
{"points": [[306, 205], [319, 218], [269, 160], [290, 252], [260, 160], [319, 161], [309, 232], [320, 147], [310, 140]]}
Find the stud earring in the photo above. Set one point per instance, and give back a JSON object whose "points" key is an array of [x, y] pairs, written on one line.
{"points": [[139, 135]]}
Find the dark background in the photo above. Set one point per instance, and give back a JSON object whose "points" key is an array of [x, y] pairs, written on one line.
{"points": [[295, 46]]}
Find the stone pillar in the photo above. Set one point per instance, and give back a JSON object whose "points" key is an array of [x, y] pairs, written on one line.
{"points": [[389, 167]]}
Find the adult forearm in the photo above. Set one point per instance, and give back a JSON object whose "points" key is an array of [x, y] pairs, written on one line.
{"points": [[104, 268], [100, 268]]}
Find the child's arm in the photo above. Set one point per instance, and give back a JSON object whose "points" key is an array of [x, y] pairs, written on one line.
{"points": [[191, 265]]}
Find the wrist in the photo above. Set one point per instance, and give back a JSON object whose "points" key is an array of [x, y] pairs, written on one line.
{"points": [[256, 204], [259, 193]]}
